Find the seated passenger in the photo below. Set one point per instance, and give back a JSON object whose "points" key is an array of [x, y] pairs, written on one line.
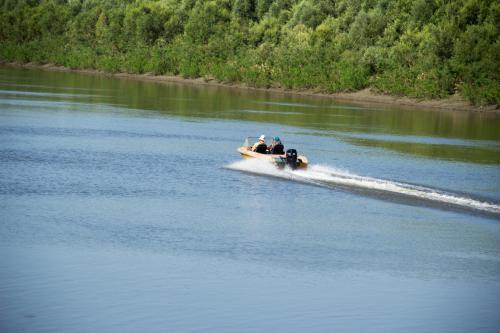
{"points": [[260, 146], [277, 147]]}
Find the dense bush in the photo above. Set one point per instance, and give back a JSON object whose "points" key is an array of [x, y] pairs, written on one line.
{"points": [[417, 48]]}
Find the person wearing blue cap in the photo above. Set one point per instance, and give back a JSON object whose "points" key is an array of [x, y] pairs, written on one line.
{"points": [[277, 147]]}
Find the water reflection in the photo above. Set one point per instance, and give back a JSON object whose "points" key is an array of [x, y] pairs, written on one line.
{"points": [[325, 115]]}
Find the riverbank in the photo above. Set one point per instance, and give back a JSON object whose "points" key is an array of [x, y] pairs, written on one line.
{"points": [[365, 96]]}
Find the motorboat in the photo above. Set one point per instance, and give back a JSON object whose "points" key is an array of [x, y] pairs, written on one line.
{"points": [[290, 158]]}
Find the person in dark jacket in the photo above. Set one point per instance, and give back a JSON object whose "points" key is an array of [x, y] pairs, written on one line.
{"points": [[260, 146], [277, 147]]}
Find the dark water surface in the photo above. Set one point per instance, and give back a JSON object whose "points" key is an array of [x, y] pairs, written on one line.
{"points": [[125, 207]]}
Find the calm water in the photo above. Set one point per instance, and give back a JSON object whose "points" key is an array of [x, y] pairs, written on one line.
{"points": [[125, 207]]}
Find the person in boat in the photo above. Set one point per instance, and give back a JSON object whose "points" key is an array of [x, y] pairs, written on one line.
{"points": [[276, 147], [260, 146]]}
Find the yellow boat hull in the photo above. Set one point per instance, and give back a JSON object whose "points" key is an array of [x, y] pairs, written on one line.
{"points": [[246, 152]]}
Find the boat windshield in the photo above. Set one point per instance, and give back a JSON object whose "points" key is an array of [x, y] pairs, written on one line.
{"points": [[250, 140]]}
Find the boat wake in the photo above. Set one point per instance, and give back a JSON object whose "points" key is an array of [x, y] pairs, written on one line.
{"points": [[327, 176]]}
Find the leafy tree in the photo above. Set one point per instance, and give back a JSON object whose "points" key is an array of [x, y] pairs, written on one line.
{"points": [[245, 9], [312, 12], [262, 7], [207, 18]]}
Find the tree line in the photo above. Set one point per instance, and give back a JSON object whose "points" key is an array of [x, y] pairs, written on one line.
{"points": [[415, 48]]}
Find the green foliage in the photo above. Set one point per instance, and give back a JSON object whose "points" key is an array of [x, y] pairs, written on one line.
{"points": [[422, 11], [268, 30], [245, 9], [206, 20], [312, 12], [366, 28], [418, 48], [262, 7]]}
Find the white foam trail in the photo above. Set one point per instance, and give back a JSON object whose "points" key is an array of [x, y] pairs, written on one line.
{"points": [[325, 175]]}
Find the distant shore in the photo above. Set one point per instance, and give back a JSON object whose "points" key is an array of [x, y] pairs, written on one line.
{"points": [[365, 96]]}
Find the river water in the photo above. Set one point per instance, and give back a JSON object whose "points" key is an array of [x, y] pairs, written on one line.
{"points": [[125, 207]]}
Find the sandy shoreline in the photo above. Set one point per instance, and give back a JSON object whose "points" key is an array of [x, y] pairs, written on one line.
{"points": [[366, 96]]}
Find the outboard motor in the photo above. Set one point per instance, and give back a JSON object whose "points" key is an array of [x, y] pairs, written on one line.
{"points": [[291, 158]]}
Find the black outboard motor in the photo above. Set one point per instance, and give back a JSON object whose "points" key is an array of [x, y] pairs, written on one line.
{"points": [[291, 158]]}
